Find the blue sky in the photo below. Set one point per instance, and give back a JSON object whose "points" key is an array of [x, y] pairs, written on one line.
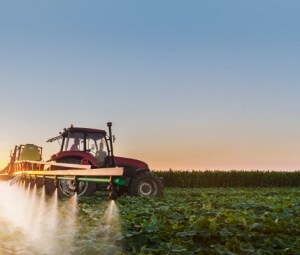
{"points": [[187, 84]]}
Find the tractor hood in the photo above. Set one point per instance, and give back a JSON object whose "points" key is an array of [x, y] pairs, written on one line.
{"points": [[134, 163]]}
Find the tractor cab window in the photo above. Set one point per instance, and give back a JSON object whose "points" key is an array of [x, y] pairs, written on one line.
{"points": [[74, 142], [96, 145], [101, 154]]}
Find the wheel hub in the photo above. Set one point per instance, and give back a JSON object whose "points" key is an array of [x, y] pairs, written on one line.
{"points": [[146, 189], [69, 187]]}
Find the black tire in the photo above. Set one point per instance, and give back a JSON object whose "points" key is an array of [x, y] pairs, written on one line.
{"points": [[145, 184], [67, 188]]}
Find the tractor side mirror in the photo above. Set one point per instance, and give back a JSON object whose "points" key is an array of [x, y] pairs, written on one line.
{"points": [[114, 138]]}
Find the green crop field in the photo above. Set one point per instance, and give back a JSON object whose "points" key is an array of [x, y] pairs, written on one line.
{"points": [[201, 221], [184, 221], [213, 221]]}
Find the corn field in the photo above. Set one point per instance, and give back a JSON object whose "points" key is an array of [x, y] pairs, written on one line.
{"points": [[234, 178]]}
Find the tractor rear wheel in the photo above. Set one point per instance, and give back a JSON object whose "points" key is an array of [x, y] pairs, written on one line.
{"points": [[70, 187], [145, 184]]}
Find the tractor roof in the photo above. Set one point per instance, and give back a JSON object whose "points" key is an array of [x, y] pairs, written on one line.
{"points": [[85, 130], [77, 129]]}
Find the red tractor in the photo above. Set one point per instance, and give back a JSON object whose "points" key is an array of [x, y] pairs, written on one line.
{"points": [[94, 147]]}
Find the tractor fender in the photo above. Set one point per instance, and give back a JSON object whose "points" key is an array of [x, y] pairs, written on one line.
{"points": [[132, 172], [142, 170], [129, 173]]}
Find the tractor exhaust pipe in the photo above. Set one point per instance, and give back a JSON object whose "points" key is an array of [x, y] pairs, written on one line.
{"points": [[112, 159]]}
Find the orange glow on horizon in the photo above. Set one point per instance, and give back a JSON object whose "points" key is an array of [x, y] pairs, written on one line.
{"points": [[219, 152]]}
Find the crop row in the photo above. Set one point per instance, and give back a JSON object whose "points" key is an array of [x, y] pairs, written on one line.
{"points": [[234, 178]]}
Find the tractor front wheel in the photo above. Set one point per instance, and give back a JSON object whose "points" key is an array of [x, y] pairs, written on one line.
{"points": [[145, 184]]}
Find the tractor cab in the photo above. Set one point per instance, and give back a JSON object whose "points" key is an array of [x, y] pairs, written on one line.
{"points": [[90, 145], [93, 142]]}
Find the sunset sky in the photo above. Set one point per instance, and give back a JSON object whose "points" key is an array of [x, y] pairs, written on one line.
{"points": [[191, 84]]}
